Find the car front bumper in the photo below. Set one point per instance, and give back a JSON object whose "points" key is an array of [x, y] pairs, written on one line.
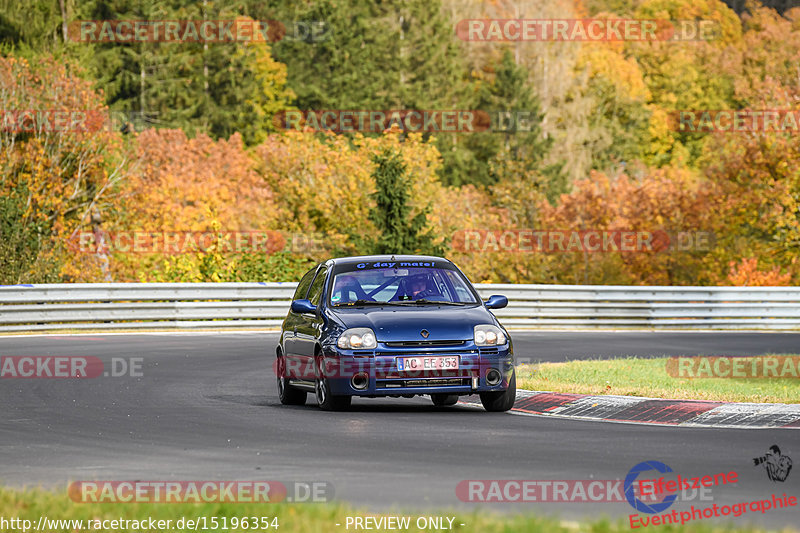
{"points": [[375, 372]]}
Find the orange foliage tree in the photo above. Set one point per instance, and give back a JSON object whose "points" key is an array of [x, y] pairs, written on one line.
{"points": [[757, 173], [746, 274], [670, 204], [58, 169], [183, 185]]}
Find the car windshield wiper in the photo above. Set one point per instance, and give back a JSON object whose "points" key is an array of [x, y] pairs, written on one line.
{"points": [[362, 302], [423, 301]]}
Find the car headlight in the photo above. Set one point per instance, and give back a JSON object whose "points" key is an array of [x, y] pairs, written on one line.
{"points": [[356, 339], [489, 335]]}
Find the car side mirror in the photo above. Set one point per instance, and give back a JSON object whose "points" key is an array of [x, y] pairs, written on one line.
{"points": [[303, 306], [496, 301]]}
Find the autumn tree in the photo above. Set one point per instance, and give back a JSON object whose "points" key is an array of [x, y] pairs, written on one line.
{"points": [[746, 273], [191, 185], [686, 75], [624, 128], [326, 182], [55, 175], [664, 203]]}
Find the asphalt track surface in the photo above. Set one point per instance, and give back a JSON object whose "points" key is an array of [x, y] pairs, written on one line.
{"points": [[206, 408]]}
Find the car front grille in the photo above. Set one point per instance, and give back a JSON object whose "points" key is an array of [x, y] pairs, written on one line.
{"points": [[422, 344], [422, 382], [424, 353]]}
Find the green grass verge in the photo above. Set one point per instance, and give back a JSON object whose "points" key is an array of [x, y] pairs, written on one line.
{"points": [[297, 518], [648, 377]]}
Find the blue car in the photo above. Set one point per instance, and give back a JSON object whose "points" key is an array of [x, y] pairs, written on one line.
{"points": [[400, 326]]}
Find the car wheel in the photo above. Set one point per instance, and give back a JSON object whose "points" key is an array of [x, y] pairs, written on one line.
{"points": [[502, 400], [443, 400], [288, 394], [326, 400]]}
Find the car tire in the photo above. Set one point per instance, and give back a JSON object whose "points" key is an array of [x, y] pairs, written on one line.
{"points": [[502, 400], [444, 400], [288, 394], [326, 400]]}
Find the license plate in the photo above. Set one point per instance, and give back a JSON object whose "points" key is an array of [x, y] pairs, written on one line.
{"points": [[427, 363]]}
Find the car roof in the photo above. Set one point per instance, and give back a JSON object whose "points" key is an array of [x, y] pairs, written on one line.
{"points": [[382, 258]]}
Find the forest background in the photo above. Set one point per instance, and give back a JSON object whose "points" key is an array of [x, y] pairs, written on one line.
{"points": [[189, 142]]}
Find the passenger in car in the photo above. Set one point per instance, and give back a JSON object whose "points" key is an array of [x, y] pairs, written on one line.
{"points": [[348, 289]]}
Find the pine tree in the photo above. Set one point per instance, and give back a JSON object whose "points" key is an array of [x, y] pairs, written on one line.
{"points": [[33, 23], [392, 54], [399, 232], [138, 77], [516, 148], [214, 88], [352, 60]]}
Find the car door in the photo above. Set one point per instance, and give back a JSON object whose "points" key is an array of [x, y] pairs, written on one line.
{"points": [[309, 325], [290, 348]]}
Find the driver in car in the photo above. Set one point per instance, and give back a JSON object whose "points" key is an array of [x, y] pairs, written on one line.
{"points": [[418, 288]]}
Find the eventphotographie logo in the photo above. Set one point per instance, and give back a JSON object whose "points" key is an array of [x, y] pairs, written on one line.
{"points": [[630, 482]]}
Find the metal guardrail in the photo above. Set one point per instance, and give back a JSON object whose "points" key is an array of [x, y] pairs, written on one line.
{"points": [[257, 305]]}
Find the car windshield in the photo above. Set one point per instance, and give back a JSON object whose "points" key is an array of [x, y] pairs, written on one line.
{"points": [[394, 284]]}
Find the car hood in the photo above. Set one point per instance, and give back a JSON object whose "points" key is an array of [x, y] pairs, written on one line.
{"points": [[394, 324]]}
